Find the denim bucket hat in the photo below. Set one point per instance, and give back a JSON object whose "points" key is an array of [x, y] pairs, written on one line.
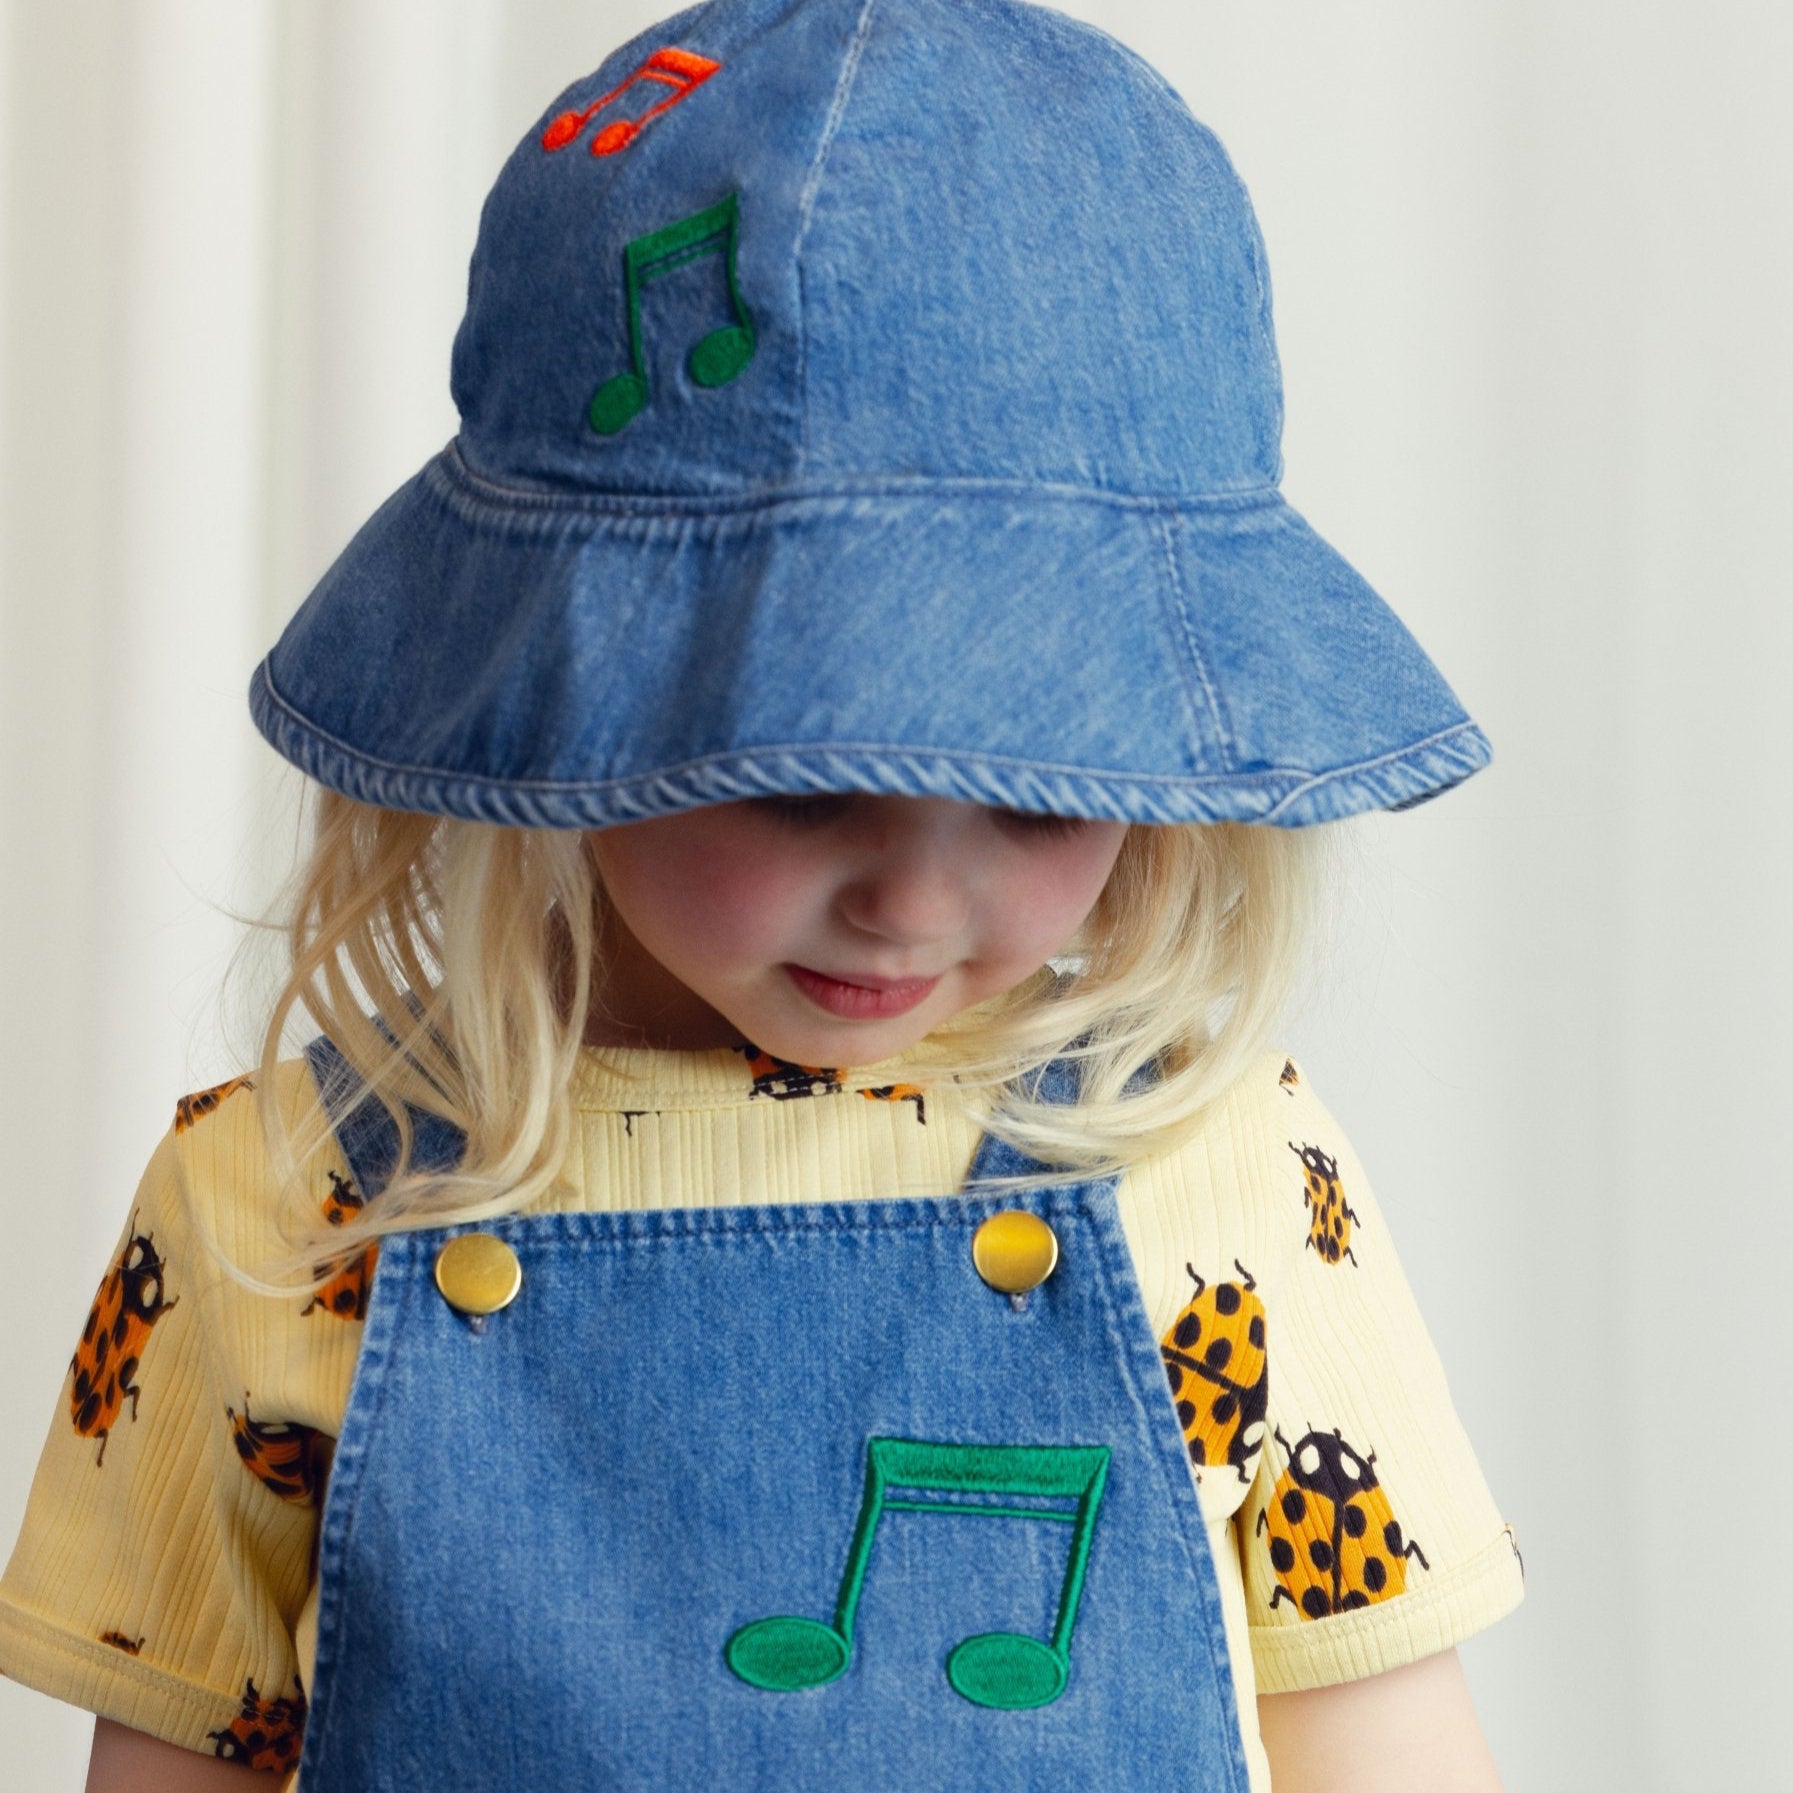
{"points": [[862, 395]]}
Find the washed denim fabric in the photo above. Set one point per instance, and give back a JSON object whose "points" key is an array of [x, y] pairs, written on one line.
{"points": [[547, 1533], [894, 409]]}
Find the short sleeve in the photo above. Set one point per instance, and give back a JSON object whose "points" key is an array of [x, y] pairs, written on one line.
{"points": [[1368, 1537], [166, 1548]]}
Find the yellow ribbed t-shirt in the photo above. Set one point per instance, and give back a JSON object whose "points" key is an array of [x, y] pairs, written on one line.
{"points": [[163, 1575]]}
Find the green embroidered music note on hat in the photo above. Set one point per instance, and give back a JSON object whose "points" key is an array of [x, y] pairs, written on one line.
{"points": [[720, 355]]}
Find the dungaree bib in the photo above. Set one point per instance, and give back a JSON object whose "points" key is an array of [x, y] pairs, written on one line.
{"points": [[765, 1498]]}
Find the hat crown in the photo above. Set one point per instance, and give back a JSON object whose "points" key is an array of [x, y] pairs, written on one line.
{"points": [[862, 395], [777, 243]]}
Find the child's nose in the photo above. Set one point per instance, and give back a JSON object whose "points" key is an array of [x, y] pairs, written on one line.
{"points": [[909, 903], [909, 886]]}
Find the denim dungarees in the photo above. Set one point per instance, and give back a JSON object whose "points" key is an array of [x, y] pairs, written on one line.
{"points": [[765, 1498]]}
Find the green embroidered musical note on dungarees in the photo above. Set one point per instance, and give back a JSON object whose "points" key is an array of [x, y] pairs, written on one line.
{"points": [[720, 355], [1001, 1669]]}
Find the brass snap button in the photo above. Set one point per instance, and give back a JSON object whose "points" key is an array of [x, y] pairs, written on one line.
{"points": [[478, 1273], [1014, 1251]]}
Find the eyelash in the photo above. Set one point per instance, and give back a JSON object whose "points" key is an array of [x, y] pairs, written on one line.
{"points": [[810, 812], [1046, 827], [806, 811]]}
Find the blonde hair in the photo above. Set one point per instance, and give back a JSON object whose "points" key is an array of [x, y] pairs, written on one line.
{"points": [[454, 964]]}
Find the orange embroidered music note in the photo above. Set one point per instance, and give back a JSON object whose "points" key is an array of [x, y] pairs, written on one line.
{"points": [[681, 70]]}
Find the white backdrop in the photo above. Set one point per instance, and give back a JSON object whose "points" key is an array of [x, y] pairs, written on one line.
{"points": [[1534, 272]]}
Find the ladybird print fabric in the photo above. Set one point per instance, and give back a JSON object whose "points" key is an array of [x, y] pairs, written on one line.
{"points": [[1313, 1406], [164, 1575], [165, 1561]]}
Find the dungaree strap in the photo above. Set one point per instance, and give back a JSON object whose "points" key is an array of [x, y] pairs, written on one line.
{"points": [[1058, 1082], [370, 1140], [366, 1132]]}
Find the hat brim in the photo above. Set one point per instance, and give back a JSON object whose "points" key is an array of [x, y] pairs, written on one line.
{"points": [[540, 660]]}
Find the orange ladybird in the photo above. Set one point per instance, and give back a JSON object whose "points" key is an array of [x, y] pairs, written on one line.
{"points": [[130, 1301], [781, 1080], [197, 1106], [1219, 1370], [343, 1202], [1329, 1230], [345, 1294], [1335, 1543], [265, 1733], [901, 1092], [283, 1455]]}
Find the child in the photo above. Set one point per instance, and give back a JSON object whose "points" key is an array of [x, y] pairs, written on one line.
{"points": [[824, 1279]]}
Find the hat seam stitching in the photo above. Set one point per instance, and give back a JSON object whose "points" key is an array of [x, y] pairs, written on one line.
{"points": [[736, 756], [1319, 780], [843, 89], [464, 481], [1180, 606]]}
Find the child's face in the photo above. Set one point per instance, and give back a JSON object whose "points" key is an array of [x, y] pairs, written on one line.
{"points": [[833, 930]]}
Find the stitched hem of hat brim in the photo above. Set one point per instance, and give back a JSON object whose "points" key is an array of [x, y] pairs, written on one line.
{"points": [[1282, 798], [477, 497]]}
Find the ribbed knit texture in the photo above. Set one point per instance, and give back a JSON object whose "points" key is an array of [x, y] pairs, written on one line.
{"points": [[168, 1586]]}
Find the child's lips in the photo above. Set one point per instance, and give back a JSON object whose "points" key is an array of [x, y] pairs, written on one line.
{"points": [[863, 997]]}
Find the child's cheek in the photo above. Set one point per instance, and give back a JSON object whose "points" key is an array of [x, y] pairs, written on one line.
{"points": [[1043, 910], [751, 919], [742, 906]]}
